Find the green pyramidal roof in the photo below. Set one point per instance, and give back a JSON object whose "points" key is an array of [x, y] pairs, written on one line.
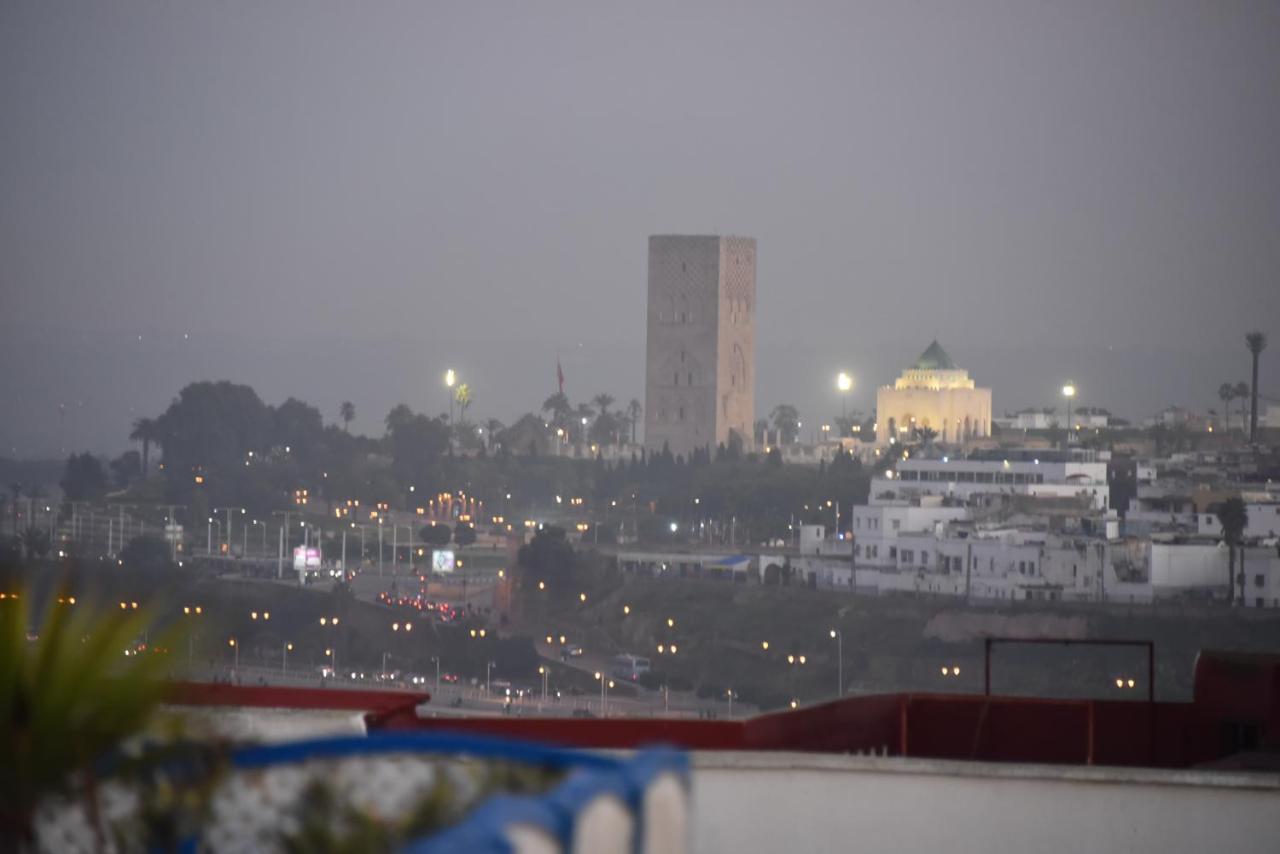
{"points": [[935, 359]]}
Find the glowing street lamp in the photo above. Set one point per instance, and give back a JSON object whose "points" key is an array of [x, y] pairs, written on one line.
{"points": [[450, 379], [1069, 391], [839, 639], [844, 382], [605, 685]]}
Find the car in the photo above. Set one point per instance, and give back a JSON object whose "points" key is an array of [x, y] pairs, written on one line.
{"points": [[570, 650], [450, 678]]}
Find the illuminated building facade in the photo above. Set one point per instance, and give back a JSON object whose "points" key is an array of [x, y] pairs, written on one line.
{"points": [[934, 394]]}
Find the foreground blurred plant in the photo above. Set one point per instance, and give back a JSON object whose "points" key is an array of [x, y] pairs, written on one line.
{"points": [[68, 695], [325, 823]]}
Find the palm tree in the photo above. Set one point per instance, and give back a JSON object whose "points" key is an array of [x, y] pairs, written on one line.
{"points": [[786, 420], [463, 397], [603, 401], [1242, 392], [558, 407], [1257, 342], [493, 427], [1234, 518], [145, 431], [347, 412], [633, 415], [1226, 393]]}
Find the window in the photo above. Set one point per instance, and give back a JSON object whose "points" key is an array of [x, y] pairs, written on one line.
{"points": [[675, 378], [893, 552], [896, 524], [1259, 580], [924, 558], [690, 378], [908, 556], [682, 413]]}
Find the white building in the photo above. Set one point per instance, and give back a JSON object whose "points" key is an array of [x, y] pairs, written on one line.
{"points": [[1263, 522], [936, 394], [965, 479]]}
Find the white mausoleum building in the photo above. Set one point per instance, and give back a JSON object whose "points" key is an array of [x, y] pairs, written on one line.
{"points": [[937, 394]]}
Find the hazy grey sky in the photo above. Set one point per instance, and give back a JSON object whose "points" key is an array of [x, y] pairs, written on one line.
{"points": [[340, 200]]}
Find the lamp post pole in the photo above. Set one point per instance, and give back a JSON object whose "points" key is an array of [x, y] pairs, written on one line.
{"points": [[839, 639], [1068, 391]]}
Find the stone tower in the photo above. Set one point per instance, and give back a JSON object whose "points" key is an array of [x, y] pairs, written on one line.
{"points": [[701, 343]]}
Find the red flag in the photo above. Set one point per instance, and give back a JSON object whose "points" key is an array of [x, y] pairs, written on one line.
{"points": [[560, 374]]}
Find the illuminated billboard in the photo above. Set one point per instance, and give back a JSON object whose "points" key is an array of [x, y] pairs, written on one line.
{"points": [[304, 558], [442, 560]]}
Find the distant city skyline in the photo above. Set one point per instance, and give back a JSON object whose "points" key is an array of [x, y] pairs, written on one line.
{"points": [[338, 204]]}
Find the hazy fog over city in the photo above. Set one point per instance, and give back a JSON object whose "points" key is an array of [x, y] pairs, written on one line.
{"points": [[335, 205], [667, 426]]}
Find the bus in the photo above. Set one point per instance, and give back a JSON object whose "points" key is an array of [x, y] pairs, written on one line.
{"points": [[630, 667]]}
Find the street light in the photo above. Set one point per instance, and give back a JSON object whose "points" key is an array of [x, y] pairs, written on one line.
{"points": [[605, 685], [190, 611], [1069, 391], [545, 671], [284, 658], [839, 639], [235, 647], [844, 382], [449, 379]]}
